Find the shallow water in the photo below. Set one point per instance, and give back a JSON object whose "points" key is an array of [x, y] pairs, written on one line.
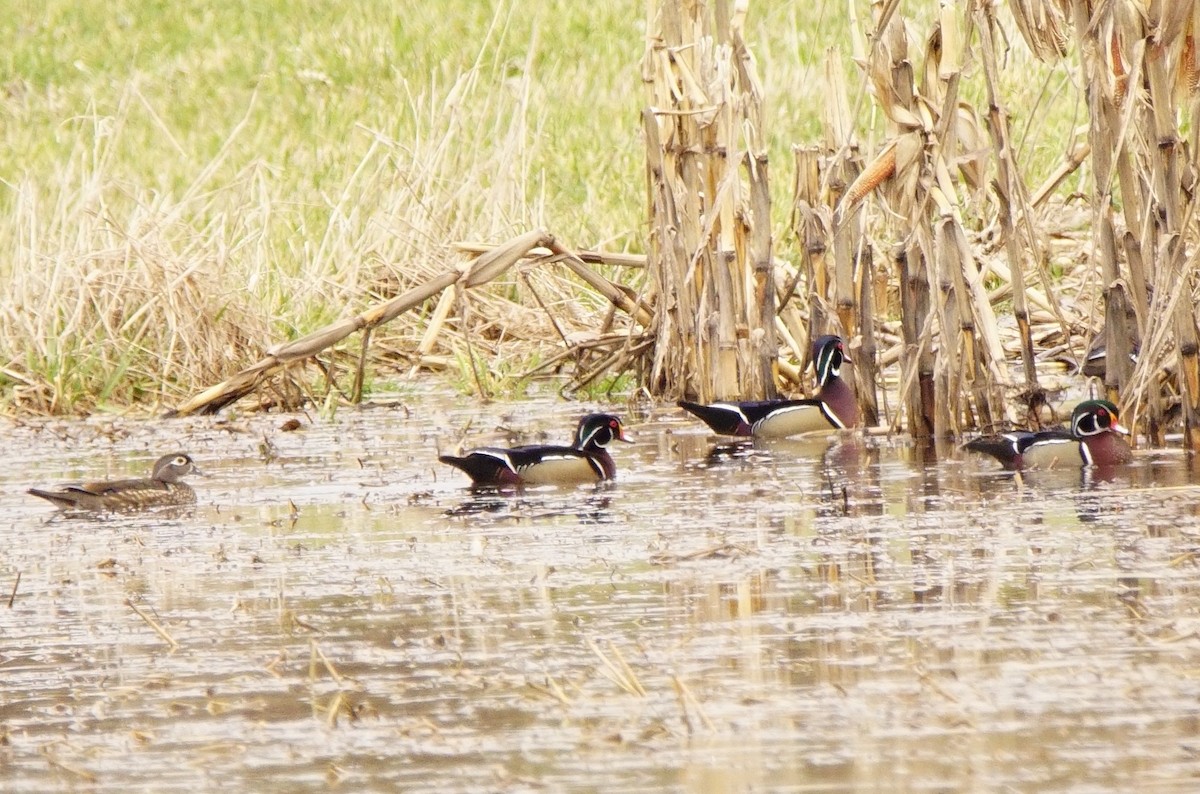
{"points": [[339, 611]]}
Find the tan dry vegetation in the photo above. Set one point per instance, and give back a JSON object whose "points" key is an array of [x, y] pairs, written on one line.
{"points": [[121, 294], [451, 288], [110, 298], [949, 223], [135, 283], [952, 183]]}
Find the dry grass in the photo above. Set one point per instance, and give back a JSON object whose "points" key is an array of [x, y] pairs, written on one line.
{"points": [[232, 185], [122, 295], [128, 286]]}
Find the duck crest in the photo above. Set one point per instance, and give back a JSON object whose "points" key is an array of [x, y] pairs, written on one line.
{"points": [[597, 431], [1094, 417], [828, 355]]}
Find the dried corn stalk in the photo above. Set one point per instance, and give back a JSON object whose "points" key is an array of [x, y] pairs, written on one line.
{"points": [[960, 380], [710, 236], [1139, 63]]}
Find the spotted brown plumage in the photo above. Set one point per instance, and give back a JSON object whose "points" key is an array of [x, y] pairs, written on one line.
{"points": [[833, 408], [164, 487], [1094, 439], [586, 460]]}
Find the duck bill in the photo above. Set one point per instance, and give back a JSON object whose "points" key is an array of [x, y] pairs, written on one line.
{"points": [[622, 436], [1120, 428]]}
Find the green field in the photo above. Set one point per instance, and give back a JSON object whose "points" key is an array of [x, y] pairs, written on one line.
{"points": [[187, 183]]}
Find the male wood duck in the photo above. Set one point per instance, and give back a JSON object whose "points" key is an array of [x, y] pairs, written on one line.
{"points": [[164, 487], [833, 408], [1092, 440], [587, 460]]}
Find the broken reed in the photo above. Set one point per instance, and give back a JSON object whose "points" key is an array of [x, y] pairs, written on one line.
{"points": [[1138, 69], [957, 383], [937, 169], [450, 285]]}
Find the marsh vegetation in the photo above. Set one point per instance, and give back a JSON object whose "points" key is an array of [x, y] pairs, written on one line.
{"points": [[221, 192], [190, 191]]}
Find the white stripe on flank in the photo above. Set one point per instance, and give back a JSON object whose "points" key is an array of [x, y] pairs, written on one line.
{"points": [[562, 468], [1087, 454], [560, 456], [831, 416], [796, 419]]}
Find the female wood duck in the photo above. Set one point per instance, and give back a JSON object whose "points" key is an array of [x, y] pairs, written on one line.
{"points": [[162, 488], [833, 408], [1093, 440], [587, 460], [1095, 360]]}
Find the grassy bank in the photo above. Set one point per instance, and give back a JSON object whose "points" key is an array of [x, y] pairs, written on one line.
{"points": [[185, 185]]}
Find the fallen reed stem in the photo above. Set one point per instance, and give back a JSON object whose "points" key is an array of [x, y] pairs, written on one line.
{"points": [[618, 672], [70, 769], [320, 654], [154, 624], [688, 704]]}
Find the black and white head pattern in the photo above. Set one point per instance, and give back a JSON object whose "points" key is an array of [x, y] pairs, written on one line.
{"points": [[598, 431], [829, 354], [1094, 417]]}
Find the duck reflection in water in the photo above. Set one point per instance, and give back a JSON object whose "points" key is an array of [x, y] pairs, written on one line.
{"points": [[834, 450], [845, 464], [500, 505], [740, 453], [850, 473]]}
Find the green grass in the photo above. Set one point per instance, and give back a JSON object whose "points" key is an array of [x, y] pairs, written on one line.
{"points": [[313, 80], [186, 183]]}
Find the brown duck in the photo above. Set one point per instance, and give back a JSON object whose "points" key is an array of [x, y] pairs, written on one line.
{"points": [[163, 487]]}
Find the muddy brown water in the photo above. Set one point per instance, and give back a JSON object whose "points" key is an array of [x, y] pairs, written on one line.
{"points": [[339, 612]]}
